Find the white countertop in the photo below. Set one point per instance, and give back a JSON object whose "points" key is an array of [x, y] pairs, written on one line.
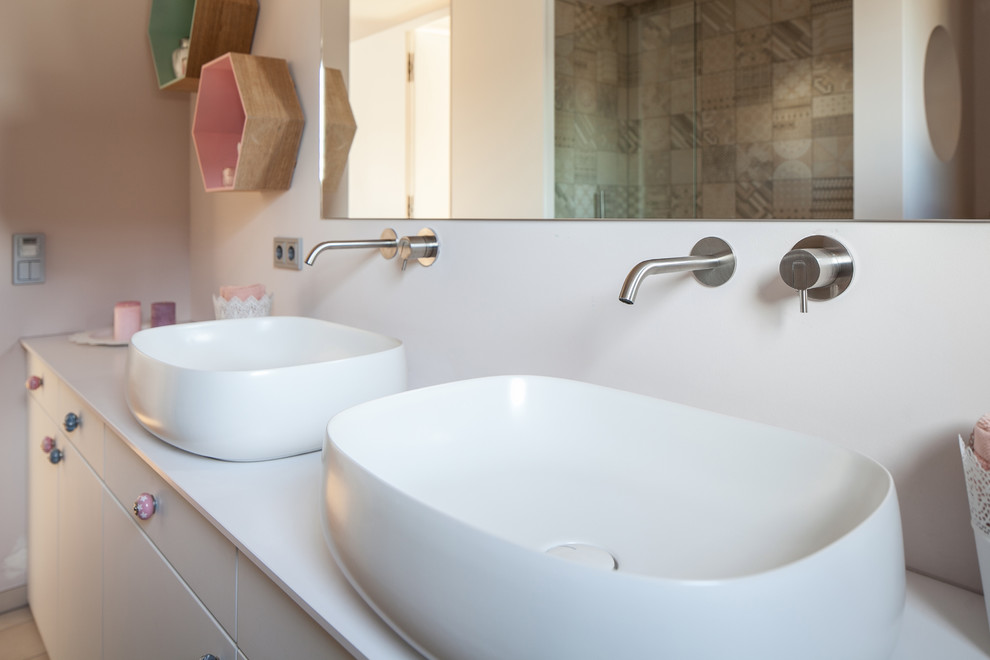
{"points": [[271, 512], [942, 622]]}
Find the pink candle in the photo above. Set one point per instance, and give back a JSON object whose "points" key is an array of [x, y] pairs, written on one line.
{"points": [[256, 291], [126, 319], [162, 313]]}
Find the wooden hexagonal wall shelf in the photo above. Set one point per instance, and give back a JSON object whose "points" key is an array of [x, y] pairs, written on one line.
{"points": [[339, 128], [247, 124], [211, 27]]}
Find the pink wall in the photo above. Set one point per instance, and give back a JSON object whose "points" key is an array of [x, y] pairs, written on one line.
{"points": [[94, 156]]}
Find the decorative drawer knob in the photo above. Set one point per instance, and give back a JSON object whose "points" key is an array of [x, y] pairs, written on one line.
{"points": [[71, 422], [48, 444], [34, 382], [209, 656], [145, 506], [55, 455]]}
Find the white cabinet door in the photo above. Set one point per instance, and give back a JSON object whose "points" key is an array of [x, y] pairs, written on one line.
{"points": [[42, 525], [148, 611], [80, 560], [64, 543], [271, 625]]}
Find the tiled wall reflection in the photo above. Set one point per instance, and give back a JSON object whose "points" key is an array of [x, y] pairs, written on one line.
{"points": [[592, 143], [704, 108]]}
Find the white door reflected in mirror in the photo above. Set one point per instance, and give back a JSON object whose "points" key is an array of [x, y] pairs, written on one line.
{"points": [[400, 90]]}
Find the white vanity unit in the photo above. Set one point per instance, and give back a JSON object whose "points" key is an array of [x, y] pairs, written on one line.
{"points": [[232, 562]]}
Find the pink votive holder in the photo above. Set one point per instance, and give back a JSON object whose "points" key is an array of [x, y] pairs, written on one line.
{"points": [[162, 313], [126, 319]]}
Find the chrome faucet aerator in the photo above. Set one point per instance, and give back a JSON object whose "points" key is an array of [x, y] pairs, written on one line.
{"points": [[711, 261]]}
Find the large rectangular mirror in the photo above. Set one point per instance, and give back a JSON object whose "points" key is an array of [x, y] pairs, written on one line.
{"points": [[655, 109]]}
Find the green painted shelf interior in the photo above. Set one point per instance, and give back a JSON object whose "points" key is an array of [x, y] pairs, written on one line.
{"points": [[213, 27], [171, 21]]}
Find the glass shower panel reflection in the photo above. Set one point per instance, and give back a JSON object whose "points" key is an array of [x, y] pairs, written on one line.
{"points": [[625, 110], [704, 108]]}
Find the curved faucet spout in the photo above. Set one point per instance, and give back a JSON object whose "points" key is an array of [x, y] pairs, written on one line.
{"points": [[644, 269], [711, 261], [388, 245]]}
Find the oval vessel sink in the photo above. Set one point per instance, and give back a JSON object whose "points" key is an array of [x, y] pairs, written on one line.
{"points": [[257, 388], [531, 517]]}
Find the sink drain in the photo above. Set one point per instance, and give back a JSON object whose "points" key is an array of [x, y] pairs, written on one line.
{"points": [[585, 554]]}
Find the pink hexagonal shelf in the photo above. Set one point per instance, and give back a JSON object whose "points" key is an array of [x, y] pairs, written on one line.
{"points": [[247, 124]]}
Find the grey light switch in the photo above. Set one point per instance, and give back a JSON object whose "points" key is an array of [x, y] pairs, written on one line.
{"points": [[29, 258]]}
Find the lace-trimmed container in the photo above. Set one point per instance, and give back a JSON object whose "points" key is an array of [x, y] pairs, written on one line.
{"points": [[978, 490], [235, 308]]}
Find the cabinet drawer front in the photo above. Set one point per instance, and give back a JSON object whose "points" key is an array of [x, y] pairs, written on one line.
{"points": [[148, 611], [46, 392], [204, 558], [271, 625], [85, 430]]}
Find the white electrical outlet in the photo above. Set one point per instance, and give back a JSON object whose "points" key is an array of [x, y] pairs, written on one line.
{"points": [[287, 253], [29, 259]]}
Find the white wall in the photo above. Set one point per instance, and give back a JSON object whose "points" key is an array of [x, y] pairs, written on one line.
{"points": [[897, 173], [498, 108], [933, 188], [894, 368], [94, 156], [877, 83]]}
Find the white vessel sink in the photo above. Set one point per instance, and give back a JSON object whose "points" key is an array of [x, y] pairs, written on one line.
{"points": [[257, 388], [695, 536]]}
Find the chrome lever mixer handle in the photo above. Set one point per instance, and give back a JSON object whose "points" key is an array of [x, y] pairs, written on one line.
{"points": [[818, 267], [424, 247]]}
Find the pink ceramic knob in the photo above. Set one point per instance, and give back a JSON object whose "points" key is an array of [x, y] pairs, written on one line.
{"points": [[145, 506], [33, 383], [48, 444]]}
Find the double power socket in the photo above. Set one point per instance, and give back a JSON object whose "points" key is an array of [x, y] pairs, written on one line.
{"points": [[287, 253]]}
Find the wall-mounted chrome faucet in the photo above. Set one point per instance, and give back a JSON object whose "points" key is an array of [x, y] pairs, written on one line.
{"points": [[819, 267], [424, 247], [388, 245], [711, 261]]}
